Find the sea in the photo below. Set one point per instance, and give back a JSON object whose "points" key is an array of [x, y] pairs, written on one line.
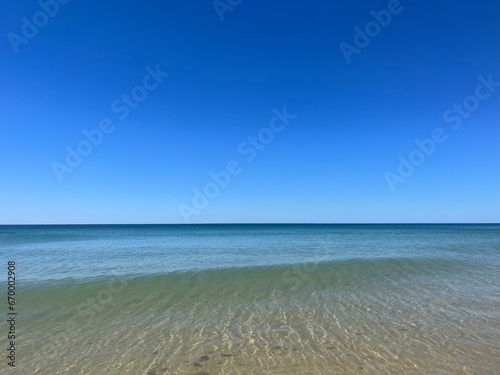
{"points": [[251, 299]]}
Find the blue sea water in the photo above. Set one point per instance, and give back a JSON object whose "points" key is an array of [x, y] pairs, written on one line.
{"points": [[270, 298], [58, 252]]}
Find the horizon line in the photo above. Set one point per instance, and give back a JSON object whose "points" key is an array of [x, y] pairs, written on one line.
{"points": [[267, 223]]}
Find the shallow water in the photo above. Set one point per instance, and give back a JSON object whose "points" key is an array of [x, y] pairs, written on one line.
{"points": [[258, 299]]}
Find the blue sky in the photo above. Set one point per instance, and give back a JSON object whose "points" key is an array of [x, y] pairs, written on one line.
{"points": [[336, 160]]}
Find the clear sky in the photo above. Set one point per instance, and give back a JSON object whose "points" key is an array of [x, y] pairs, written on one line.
{"points": [[170, 91]]}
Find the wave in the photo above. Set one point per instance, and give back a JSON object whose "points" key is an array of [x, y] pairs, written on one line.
{"points": [[327, 274]]}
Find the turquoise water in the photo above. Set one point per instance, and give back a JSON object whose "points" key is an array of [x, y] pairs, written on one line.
{"points": [[278, 299], [79, 252]]}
